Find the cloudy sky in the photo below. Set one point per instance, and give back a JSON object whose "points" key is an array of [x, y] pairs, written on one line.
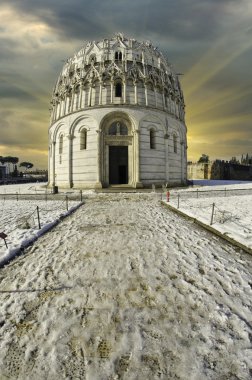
{"points": [[209, 41]]}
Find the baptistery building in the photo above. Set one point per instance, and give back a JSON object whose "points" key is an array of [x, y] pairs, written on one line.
{"points": [[117, 118]]}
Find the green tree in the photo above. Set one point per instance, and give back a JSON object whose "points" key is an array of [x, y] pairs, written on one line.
{"points": [[2, 160], [8, 161], [14, 161], [203, 159], [26, 165]]}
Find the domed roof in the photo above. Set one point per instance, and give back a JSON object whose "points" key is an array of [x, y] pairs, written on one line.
{"points": [[130, 49], [118, 58]]}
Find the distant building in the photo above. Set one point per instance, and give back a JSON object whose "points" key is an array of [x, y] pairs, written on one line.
{"points": [[197, 170], [117, 118], [3, 171], [230, 171], [219, 169]]}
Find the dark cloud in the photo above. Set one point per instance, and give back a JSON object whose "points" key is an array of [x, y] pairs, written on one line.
{"points": [[92, 19], [185, 30], [8, 49], [9, 90]]}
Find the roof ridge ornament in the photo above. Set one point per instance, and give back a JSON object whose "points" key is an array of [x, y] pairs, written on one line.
{"points": [[119, 36]]}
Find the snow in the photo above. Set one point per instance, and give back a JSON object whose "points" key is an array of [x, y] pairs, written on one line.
{"points": [[126, 289], [232, 208], [219, 182], [20, 218]]}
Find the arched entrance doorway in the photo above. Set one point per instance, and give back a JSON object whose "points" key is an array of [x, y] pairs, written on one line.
{"points": [[118, 153], [118, 165]]}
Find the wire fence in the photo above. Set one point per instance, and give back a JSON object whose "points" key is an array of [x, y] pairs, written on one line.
{"points": [[40, 195], [31, 218], [225, 192], [210, 211]]}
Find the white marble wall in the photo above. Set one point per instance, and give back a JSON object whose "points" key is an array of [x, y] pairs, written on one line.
{"points": [[81, 168]]}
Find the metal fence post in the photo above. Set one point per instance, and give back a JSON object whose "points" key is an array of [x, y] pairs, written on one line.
{"points": [[67, 202], [38, 217], [212, 216], [178, 200]]}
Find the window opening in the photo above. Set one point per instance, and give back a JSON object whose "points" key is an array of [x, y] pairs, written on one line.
{"points": [[152, 139], [92, 58], [175, 144], [118, 129], [118, 90], [83, 139], [118, 56]]}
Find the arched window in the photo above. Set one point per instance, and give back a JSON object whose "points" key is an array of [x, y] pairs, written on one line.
{"points": [[118, 56], [92, 58], [123, 130], [83, 139], [118, 128], [152, 139], [61, 144], [175, 144], [118, 90]]}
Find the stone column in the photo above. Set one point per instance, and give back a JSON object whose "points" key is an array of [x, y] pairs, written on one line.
{"points": [[135, 88], [100, 94], [163, 99], [155, 93], [124, 91], [53, 163], [112, 91], [54, 113], [136, 160], [70, 161], [169, 104], [99, 160], [66, 104], [49, 162], [84, 97], [72, 101], [62, 107], [167, 166], [144, 68], [146, 94], [80, 102], [182, 160], [90, 95]]}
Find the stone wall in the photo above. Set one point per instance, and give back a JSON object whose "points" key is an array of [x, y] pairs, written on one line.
{"points": [[219, 170]]}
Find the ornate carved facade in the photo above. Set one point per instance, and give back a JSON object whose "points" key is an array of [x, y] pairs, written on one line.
{"points": [[126, 86]]}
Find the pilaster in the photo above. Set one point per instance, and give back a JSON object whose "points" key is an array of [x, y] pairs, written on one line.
{"points": [[70, 160]]}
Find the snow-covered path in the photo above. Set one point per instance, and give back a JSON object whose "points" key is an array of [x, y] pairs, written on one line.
{"points": [[125, 289]]}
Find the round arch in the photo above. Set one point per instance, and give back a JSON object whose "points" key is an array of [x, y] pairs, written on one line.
{"points": [[82, 120], [55, 132], [119, 152]]}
